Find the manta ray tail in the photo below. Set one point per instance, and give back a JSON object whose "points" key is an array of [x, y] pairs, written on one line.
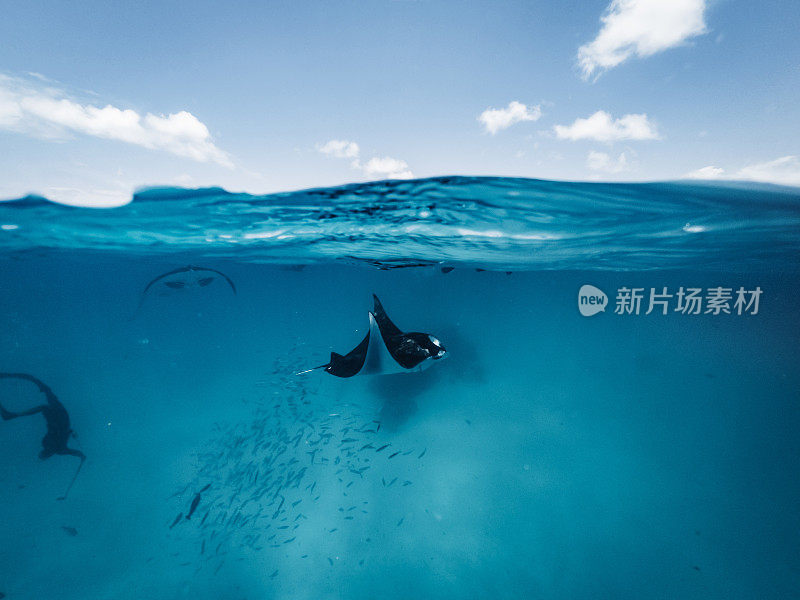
{"points": [[312, 369], [335, 358]]}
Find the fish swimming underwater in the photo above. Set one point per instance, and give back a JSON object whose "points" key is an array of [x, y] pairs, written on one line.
{"points": [[184, 278], [193, 507], [196, 502], [385, 350]]}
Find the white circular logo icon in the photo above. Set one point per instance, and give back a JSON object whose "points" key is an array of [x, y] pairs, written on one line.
{"points": [[591, 300]]}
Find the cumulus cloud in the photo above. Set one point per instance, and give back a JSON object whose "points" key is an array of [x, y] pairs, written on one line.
{"points": [[641, 28], [783, 171], [339, 149], [600, 161], [387, 168], [709, 172], [46, 112], [602, 127], [375, 168], [495, 119]]}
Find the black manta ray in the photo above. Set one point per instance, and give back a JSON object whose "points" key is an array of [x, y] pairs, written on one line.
{"points": [[186, 277], [385, 350]]}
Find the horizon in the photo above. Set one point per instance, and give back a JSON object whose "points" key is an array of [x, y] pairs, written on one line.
{"points": [[145, 189]]}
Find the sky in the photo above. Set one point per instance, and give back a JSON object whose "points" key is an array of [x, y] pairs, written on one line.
{"points": [[99, 99]]}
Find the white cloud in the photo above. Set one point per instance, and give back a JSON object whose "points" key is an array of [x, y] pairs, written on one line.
{"points": [[709, 172], [375, 168], [602, 127], [386, 168], [495, 119], [600, 161], [339, 149], [46, 112], [782, 171], [641, 28]]}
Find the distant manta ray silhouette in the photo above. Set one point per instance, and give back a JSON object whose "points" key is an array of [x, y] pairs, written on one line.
{"points": [[385, 350], [185, 277]]}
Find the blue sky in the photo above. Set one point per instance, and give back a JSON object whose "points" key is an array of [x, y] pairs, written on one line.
{"points": [[97, 99]]}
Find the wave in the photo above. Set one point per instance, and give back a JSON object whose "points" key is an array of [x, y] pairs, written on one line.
{"points": [[491, 222]]}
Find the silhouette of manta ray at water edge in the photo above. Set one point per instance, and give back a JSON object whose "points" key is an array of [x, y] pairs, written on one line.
{"points": [[57, 421], [184, 278]]}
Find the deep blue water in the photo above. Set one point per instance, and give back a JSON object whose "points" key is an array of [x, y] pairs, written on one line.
{"points": [[552, 455]]}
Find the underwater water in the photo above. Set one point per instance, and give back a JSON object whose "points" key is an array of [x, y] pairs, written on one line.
{"points": [[550, 455]]}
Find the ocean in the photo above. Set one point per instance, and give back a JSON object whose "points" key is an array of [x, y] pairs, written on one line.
{"points": [[638, 438]]}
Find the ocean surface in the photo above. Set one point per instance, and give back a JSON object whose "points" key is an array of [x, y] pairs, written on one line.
{"points": [[648, 450]]}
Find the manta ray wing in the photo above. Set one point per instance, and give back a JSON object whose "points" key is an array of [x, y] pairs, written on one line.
{"points": [[351, 363], [388, 329]]}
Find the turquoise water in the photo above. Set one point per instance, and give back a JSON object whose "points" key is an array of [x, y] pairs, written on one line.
{"points": [[551, 455]]}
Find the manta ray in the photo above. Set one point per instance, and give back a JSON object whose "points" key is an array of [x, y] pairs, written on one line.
{"points": [[385, 350], [186, 277]]}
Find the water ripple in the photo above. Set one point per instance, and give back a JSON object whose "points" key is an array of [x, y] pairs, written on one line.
{"points": [[495, 223]]}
